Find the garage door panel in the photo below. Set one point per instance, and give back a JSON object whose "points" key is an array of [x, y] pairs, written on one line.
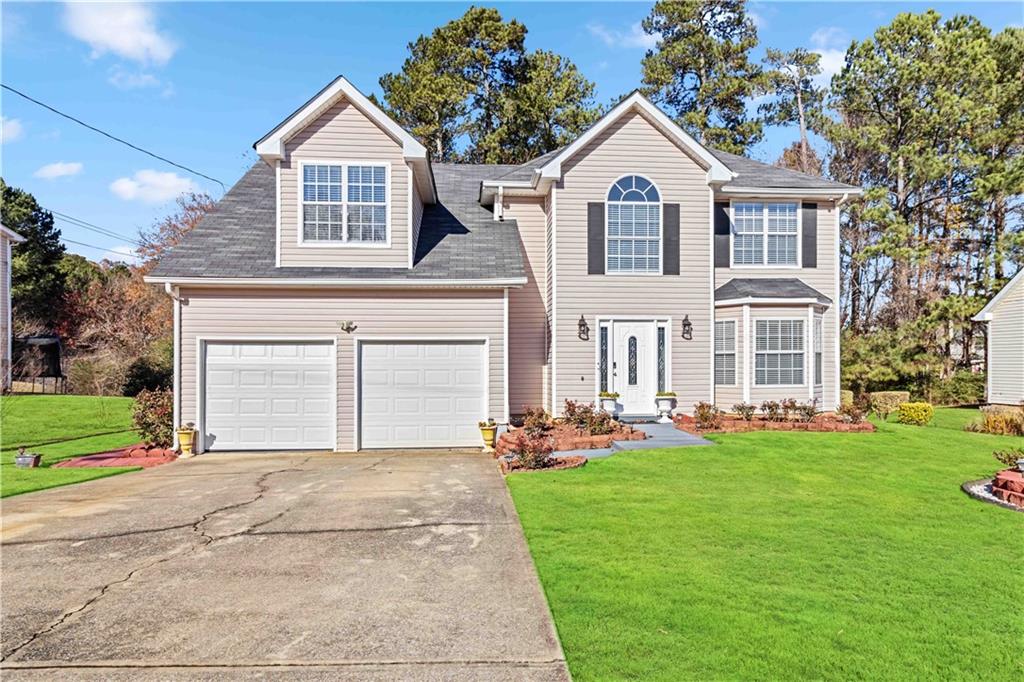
{"points": [[266, 396], [421, 394]]}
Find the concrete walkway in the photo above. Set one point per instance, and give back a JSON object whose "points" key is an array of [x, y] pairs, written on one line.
{"points": [[305, 566], [658, 436]]}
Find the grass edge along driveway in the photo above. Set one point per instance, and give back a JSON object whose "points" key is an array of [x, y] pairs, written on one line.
{"points": [[60, 427], [781, 556]]}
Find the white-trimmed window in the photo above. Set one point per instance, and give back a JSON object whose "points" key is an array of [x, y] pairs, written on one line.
{"points": [[779, 352], [725, 353], [633, 217], [818, 352], [766, 233], [344, 203]]}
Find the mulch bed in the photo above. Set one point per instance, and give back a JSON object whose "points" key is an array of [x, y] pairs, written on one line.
{"points": [[555, 464], [131, 456], [823, 423], [566, 437]]}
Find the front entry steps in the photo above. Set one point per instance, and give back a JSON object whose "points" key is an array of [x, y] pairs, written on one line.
{"points": [[658, 436], [637, 419]]}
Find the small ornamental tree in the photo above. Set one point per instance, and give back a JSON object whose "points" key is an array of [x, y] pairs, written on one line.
{"points": [[152, 415]]}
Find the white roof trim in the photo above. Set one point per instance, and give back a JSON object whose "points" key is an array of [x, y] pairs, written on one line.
{"points": [[271, 146], [792, 191], [717, 171], [754, 300], [351, 283], [11, 234], [986, 313]]}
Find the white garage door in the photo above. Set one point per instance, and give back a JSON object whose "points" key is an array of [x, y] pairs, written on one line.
{"points": [[269, 396], [421, 395]]}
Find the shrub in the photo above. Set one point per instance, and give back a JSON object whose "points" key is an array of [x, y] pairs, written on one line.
{"points": [[152, 416], [533, 450], [846, 397], [806, 412], [586, 418], [788, 406], [536, 421], [851, 413], [963, 387], [771, 410], [744, 410], [884, 403], [147, 374], [707, 415], [1008, 458], [1008, 423], [95, 375], [917, 414]]}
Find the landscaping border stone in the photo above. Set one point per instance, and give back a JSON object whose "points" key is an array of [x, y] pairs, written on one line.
{"points": [[509, 466], [728, 424], [982, 491]]}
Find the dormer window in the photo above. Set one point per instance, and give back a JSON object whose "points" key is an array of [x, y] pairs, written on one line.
{"points": [[344, 204]]}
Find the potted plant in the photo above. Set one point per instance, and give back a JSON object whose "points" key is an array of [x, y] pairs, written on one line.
{"points": [[24, 460], [609, 401], [489, 431], [664, 399], [187, 439]]}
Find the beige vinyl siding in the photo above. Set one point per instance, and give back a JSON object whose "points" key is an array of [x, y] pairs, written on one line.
{"points": [[417, 217], [5, 307], [270, 314], [344, 134], [527, 309], [549, 283], [633, 146], [823, 278], [727, 396], [1006, 349]]}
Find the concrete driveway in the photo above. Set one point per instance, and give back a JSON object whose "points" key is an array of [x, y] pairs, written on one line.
{"points": [[363, 567]]}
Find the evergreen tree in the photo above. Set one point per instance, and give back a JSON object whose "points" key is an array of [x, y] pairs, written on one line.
{"points": [[794, 97]]}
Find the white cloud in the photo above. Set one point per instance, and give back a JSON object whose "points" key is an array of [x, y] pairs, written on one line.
{"points": [[59, 169], [127, 80], [759, 21], [829, 42], [633, 38], [11, 129], [152, 187], [127, 29]]}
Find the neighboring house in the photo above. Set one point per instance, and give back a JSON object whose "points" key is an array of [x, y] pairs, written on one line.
{"points": [[8, 238], [347, 293], [1005, 343]]}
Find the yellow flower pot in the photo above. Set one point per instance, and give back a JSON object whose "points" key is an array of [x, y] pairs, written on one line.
{"points": [[489, 433], [186, 440]]}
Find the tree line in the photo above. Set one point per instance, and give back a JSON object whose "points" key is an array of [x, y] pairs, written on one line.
{"points": [[927, 115]]}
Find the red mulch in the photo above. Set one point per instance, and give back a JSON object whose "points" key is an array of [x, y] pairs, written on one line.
{"points": [[823, 423], [566, 437], [555, 463], [132, 456]]}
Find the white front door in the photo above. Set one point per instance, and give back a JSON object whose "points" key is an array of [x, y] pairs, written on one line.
{"points": [[634, 368]]}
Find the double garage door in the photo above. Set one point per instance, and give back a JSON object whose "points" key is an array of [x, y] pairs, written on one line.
{"points": [[281, 395]]}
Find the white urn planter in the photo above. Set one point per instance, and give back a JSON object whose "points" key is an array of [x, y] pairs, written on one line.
{"points": [[665, 407], [609, 404]]}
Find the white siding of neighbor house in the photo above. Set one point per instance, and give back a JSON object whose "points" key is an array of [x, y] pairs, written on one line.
{"points": [[632, 145], [1006, 349], [527, 308], [823, 278], [343, 133], [269, 314]]}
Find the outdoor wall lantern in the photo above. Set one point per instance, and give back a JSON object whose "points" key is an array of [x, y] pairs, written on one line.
{"points": [[687, 328], [347, 326], [583, 329]]}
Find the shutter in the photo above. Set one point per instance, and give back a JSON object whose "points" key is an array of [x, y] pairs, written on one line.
{"points": [[670, 235], [721, 234], [595, 238], [809, 245]]}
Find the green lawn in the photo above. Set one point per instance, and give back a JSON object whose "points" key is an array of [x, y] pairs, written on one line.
{"points": [[782, 556], [60, 427]]}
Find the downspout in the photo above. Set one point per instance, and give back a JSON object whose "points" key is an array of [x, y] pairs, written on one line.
{"points": [[176, 298]]}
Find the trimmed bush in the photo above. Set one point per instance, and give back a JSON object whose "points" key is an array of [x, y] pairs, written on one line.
{"points": [[846, 397], [851, 413], [587, 419], [917, 414], [964, 387], [884, 403], [744, 410], [771, 410], [707, 415], [152, 416], [533, 451]]}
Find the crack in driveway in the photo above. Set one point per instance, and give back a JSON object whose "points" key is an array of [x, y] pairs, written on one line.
{"points": [[206, 541]]}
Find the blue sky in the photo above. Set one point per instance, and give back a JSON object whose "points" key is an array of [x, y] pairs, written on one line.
{"points": [[200, 82]]}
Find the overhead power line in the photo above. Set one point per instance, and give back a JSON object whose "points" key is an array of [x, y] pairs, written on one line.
{"points": [[112, 137], [93, 246], [78, 222]]}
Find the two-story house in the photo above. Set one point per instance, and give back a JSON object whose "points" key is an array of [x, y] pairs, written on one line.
{"points": [[348, 293]]}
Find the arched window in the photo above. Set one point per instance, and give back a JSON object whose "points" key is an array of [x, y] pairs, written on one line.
{"points": [[634, 226]]}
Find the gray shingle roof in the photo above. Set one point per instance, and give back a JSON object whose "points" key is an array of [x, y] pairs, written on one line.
{"points": [[525, 171], [750, 173], [777, 287], [459, 239]]}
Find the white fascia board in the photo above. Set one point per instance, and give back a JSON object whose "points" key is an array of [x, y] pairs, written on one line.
{"points": [[11, 234], [985, 315], [790, 192], [338, 283], [749, 300], [272, 144], [717, 171]]}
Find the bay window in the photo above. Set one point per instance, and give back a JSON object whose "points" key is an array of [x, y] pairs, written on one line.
{"points": [[725, 353], [779, 352]]}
